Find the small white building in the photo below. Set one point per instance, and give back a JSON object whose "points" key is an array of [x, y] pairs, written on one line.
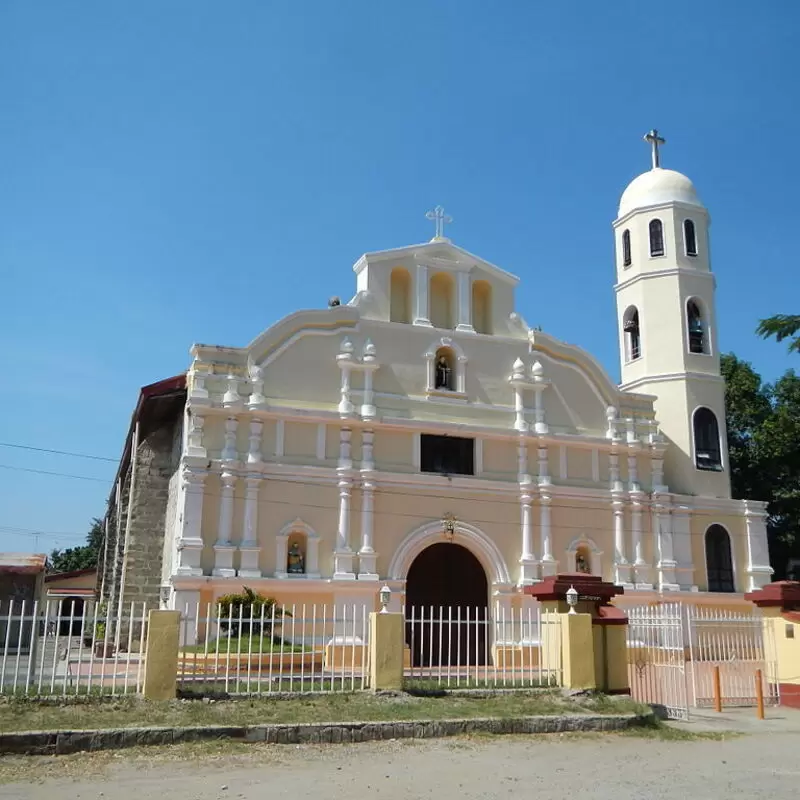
{"points": [[423, 435]]}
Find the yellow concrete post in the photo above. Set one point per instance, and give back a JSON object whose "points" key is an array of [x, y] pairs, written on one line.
{"points": [[161, 659], [386, 650], [616, 653], [577, 652]]}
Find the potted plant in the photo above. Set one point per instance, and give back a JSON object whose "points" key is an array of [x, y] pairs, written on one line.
{"points": [[102, 648]]}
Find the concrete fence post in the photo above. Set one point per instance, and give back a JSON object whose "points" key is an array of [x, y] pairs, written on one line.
{"points": [[161, 658], [577, 652], [386, 650]]}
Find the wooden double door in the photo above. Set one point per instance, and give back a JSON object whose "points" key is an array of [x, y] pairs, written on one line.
{"points": [[446, 608]]}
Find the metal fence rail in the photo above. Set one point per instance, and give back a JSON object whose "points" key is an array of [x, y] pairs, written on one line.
{"points": [[471, 647], [733, 641], [58, 648], [299, 648]]}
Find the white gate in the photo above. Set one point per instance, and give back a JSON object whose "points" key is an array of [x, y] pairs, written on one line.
{"points": [[656, 657], [675, 652], [733, 643]]}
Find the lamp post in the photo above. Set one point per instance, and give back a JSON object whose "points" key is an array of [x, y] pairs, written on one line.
{"points": [[385, 596], [572, 599]]}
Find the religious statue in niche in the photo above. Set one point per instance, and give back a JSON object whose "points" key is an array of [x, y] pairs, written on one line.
{"points": [[443, 374], [582, 562], [295, 560]]}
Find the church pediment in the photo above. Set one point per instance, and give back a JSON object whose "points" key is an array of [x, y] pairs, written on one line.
{"points": [[443, 255]]}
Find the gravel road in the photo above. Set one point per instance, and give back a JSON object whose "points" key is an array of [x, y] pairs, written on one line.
{"points": [[602, 767]]}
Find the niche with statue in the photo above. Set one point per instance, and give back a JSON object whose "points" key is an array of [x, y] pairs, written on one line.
{"points": [[296, 555]]}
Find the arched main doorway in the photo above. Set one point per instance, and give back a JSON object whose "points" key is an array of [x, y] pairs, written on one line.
{"points": [[446, 582]]}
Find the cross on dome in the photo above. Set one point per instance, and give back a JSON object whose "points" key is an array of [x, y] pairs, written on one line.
{"points": [[440, 219], [654, 140]]}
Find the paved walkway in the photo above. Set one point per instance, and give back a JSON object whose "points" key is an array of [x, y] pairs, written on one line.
{"points": [[743, 720]]}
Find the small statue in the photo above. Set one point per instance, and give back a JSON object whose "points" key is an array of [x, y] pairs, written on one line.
{"points": [[582, 564], [443, 372], [296, 563]]}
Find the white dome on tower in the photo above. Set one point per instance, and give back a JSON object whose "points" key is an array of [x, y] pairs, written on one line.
{"points": [[655, 187]]}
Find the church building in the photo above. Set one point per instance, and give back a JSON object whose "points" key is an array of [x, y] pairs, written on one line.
{"points": [[422, 435]]}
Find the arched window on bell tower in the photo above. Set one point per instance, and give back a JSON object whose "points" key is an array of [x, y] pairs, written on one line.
{"points": [[627, 259], [631, 333], [707, 451], [697, 328], [656, 229], [690, 238]]}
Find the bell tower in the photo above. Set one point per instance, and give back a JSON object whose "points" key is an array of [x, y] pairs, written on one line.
{"points": [[666, 321]]}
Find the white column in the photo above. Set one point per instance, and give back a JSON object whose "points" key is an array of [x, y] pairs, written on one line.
{"points": [[759, 572], [345, 362], [622, 570], [522, 461], [224, 548], [345, 449], [256, 398], [519, 410], [548, 562], [613, 472], [343, 554], [544, 468], [422, 314], [249, 549], [539, 385], [254, 440], [368, 410], [642, 577], [366, 555], [194, 438], [232, 398], [633, 473], [190, 540], [464, 303], [657, 472], [229, 452], [663, 530], [527, 561]]}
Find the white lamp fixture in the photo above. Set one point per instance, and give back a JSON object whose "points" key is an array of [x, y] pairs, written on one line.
{"points": [[572, 599], [385, 595]]}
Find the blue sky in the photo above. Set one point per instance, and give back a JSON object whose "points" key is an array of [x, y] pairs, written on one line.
{"points": [[191, 171]]}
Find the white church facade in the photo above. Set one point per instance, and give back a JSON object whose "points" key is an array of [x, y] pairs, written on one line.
{"points": [[424, 436]]}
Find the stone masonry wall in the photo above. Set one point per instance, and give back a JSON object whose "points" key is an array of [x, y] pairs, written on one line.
{"points": [[155, 465]]}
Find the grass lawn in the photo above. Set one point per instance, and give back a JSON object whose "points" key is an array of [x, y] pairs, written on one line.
{"points": [[246, 644], [128, 712]]}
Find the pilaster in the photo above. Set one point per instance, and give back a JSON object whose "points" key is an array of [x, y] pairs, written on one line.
{"points": [[224, 549], [249, 549], [189, 545], [422, 315], [464, 304], [662, 525], [759, 572]]}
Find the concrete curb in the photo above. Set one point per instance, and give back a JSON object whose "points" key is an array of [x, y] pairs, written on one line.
{"points": [[62, 742]]}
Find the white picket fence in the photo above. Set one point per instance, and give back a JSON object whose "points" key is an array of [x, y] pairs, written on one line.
{"points": [[301, 648], [675, 650], [482, 647], [58, 648]]}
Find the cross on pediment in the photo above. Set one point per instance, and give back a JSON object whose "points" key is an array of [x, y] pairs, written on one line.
{"points": [[440, 219]]}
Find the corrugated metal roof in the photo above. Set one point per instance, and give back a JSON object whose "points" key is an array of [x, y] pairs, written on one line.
{"points": [[22, 562]]}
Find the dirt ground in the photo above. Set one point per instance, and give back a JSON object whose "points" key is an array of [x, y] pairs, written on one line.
{"points": [[604, 767]]}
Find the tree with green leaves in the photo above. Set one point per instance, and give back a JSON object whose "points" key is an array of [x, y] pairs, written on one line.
{"points": [[763, 434], [81, 557], [782, 326]]}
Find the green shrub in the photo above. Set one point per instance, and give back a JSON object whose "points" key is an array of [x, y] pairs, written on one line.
{"points": [[241, 613]]}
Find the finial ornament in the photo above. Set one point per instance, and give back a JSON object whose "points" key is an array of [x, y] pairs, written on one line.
{"points": [[655, 141], [440, 219]]}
